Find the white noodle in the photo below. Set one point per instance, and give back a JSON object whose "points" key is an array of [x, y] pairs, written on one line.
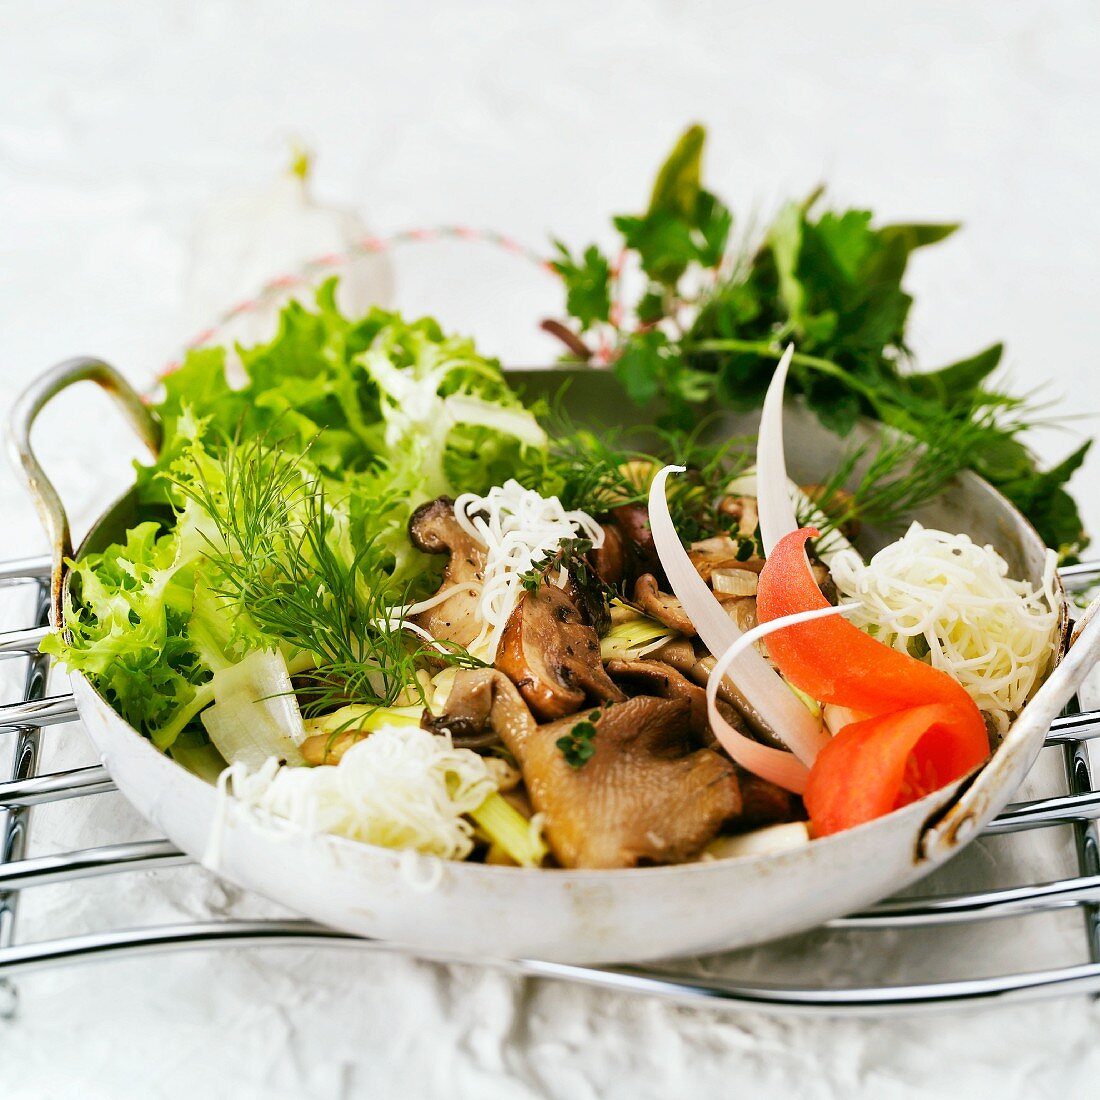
{"points": [[402, 787], [518, 528], [993, 634]]}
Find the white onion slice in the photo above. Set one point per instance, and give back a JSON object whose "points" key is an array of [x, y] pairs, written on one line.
{"points": [[837, 717], [780, 767], [255, 714], [734, 582], [773, 495], [761, 685]]}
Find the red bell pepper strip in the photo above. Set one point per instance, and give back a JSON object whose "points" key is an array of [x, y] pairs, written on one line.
{"points": [[922, 729]]}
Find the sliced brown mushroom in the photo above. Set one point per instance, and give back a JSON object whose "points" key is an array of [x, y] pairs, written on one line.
{"points": [[609, 559], [483, 704], [644, 796], [728, 693], [553, 656], [764, 803], [652, 677], [677, 652], [742, 610], [434, 529], [633, 521], [825, 581], [329, 748], [662, 606]]}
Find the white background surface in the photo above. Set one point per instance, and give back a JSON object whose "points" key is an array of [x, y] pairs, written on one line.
{"points": [[121, 124]]}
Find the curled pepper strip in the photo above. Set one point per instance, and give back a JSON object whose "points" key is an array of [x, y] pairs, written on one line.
{"points": [[921, 730]]}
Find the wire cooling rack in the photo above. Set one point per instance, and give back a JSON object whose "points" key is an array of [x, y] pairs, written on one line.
{"points": [[28, 720]]}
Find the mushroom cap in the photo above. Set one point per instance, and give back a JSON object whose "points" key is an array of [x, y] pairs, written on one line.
{"points": [[646, 795], [434, 529], [553, 656]]}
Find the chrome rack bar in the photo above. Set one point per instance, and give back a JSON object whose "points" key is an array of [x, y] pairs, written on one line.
{"points": [[19, 570], [1060, 810], [140, 855], [55, 787], [16, 818], [1079, 576], [22, 643], [51, 711], [1086, 839], [1013, 901], [1083, 726], [1084, 978]]}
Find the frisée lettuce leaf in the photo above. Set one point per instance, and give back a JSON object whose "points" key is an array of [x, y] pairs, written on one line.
{"points": [[291, 467]]}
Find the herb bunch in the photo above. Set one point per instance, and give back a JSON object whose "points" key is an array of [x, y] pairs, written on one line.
{"points": [[710, 323], [596, 472], [281, 559]]}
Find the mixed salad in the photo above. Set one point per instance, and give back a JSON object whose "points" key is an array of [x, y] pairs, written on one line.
{"points": [[371, 591]]}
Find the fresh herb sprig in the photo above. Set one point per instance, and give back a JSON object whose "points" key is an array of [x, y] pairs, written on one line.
{"points": [[593, 594], [711, 322], [282, 558], [578, 745], [595, 472], [883, 481]]}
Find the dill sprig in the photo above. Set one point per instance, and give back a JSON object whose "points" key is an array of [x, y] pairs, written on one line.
{"points": [[882, 482], [595, 472], [283, 559]]}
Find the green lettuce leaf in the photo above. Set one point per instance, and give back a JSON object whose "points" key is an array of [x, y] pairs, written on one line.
{"points": [[376, 415]]}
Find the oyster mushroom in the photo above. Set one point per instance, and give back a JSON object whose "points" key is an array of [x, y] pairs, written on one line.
{"points": [[677, 652], [652, 677], [646, 794], [729, 693], [434, 529], [662, 606], [553, 656], [482, 706], [763, 803]]}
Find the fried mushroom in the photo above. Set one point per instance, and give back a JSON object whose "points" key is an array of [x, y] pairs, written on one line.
{"points": [[662, 606], [644, 796], [553, 656], [653, 677], [482, 707], [434, 529]]}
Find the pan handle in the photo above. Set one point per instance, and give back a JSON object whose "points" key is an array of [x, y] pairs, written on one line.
{"points": [[23, 415]]}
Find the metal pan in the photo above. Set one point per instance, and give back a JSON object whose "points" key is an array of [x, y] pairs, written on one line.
{"points": [[478, 911]]}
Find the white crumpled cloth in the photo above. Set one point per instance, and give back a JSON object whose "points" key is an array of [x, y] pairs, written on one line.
{"points": [[121, 125]]}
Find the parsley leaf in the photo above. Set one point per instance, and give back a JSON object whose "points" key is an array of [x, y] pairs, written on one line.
{"points": [[577, 745], [709, 324], [587, 283], [684, 223]]}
